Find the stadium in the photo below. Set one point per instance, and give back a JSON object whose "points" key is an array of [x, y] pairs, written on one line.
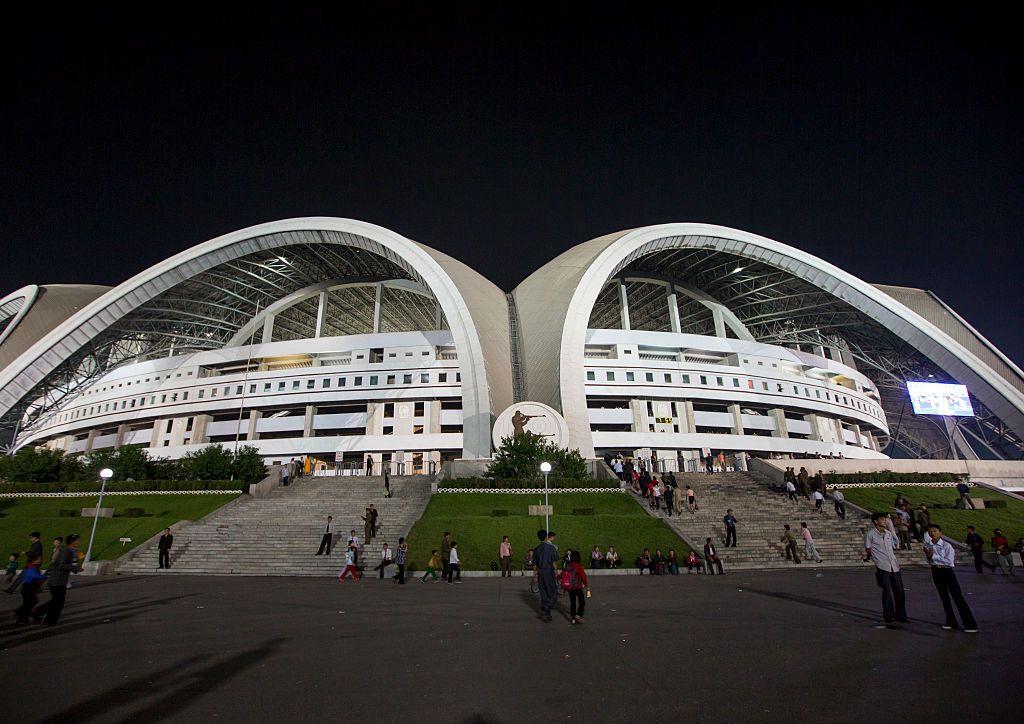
{"points": [[335, 340]]}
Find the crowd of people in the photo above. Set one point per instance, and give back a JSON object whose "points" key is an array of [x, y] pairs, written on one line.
{"points": [[64, 560]]}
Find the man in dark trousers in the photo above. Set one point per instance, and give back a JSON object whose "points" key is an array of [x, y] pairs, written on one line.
{"points": [[373, 521], [789, 540], [711, 558], [35, 546], [545, 558], [878, 548], [942, 557], [328, 538], [446, 550], [369, 465], [977, 545], [164, 547], [58, 574], [730, 528]]}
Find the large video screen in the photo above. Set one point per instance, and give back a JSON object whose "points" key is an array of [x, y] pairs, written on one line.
{"points": [[933, 398]]}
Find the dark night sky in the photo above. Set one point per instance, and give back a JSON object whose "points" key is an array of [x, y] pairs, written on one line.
{"points": [[888, 142]]}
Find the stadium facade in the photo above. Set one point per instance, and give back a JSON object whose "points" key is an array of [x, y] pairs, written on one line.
{"points": [[337, 340]]}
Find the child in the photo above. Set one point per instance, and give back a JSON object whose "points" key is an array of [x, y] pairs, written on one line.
{"points": [[432, 566], [453, 564], [12, 566], [578, 582], [31, 580], [350, 565]]}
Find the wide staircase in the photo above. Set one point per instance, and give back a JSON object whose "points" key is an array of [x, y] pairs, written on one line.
{"points": [[760, 513], [279, 535]]}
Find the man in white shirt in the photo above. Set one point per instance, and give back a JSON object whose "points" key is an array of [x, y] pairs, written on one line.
{"points": [[385, 560], [839, 500], [942, 558], [791, 490], [325, 542], [878, 548]]}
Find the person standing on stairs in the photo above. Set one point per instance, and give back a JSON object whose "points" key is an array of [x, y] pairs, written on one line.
{"points": [[711, 558], [803, 483], [403, 551], [164, 548], [670, 494], [369, 465], [730, 528], [790, 542], [387, 485], [328, 537], [709, 464], [286, 471], [373, 521], [446, 549], [367, 526], [691, 499], [810, 551]]}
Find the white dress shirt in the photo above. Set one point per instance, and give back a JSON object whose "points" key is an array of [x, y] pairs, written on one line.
{"points": [[943, 555]]}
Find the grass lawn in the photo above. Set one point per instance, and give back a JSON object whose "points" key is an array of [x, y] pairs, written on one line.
{"points": [[21, 516], [617, 521], [954, 522]]}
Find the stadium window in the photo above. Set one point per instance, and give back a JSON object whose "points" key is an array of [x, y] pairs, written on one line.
{"points": [[341, 382], [252, 389], [442, 376], [650, 409], [310, 384], [458, 377], [373, 379], [418, 409], [280, 386], [184, 395], [425, 378], [169, 423], [629, 377], [703, 380], [735, 382], [358, 381], [391, 379], [389, 430], [124, 404], [795, 390], [686, 379], [609, 376], [266, 387], [760, 363], [417, 429], [764, 386], [152, 400], [389, 409], [780, 387], [817, 394], [295, 384], [213, 391], [590, 375], [406, 379], [649, 376], [202, 394], [807, 392], [174, 398], [720, 381], [668, 378]]}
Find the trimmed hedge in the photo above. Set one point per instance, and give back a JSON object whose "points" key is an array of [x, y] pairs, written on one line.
{"points": [[890, 478], [509, 483], [123, 486]]}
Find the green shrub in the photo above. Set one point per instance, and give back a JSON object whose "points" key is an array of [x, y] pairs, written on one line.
{"points": [[887, 477], [520, 456], [122, 486], [506, 484], [134, 512]]}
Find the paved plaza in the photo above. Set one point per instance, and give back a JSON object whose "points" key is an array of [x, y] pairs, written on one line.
{"points": [[749, 646]]}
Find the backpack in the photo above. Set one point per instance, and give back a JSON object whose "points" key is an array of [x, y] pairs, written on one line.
{"points": [[570, 579]]}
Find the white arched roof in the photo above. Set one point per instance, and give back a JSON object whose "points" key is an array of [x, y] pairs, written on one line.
{"points": [[470, 304], [567, 288]]}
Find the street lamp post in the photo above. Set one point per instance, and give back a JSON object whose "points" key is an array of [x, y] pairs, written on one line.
{"points": [[105, 475], [545, 468]]}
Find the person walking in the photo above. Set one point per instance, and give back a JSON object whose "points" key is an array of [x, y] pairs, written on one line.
{"points": [[35, 546], [711, 557], [730, 528], [403, 552], [545, 557], [941, 556], [446, 549], [387, 485], [656, 490], [286, 473], [721, 460], [810, 551], [386, 558], [977, 545], [367, 526], [327, 538], [454, 568], [965, 495], [924, 519], [709, 464], [577, 588], [432, 565], [350, 565], [369, 465], [31, 579], [790, 542], [791, 490], [1004, 556], [164, 548], [878, 548], [669, 495], [819, 501], [839, 503], [803, 483], [58, 575], [691, 499], [505, 556]]}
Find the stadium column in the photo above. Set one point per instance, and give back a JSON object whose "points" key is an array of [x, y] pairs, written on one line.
{"points": [[378, 290], [268, 329], [254, 432], [815, 424], [122, 431], [857, 439], [737, 419], [623, 307], [307, 426], [779, 428], [689, 422], [673, 310], [199, 426], [90, 440], [321, 311]]}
